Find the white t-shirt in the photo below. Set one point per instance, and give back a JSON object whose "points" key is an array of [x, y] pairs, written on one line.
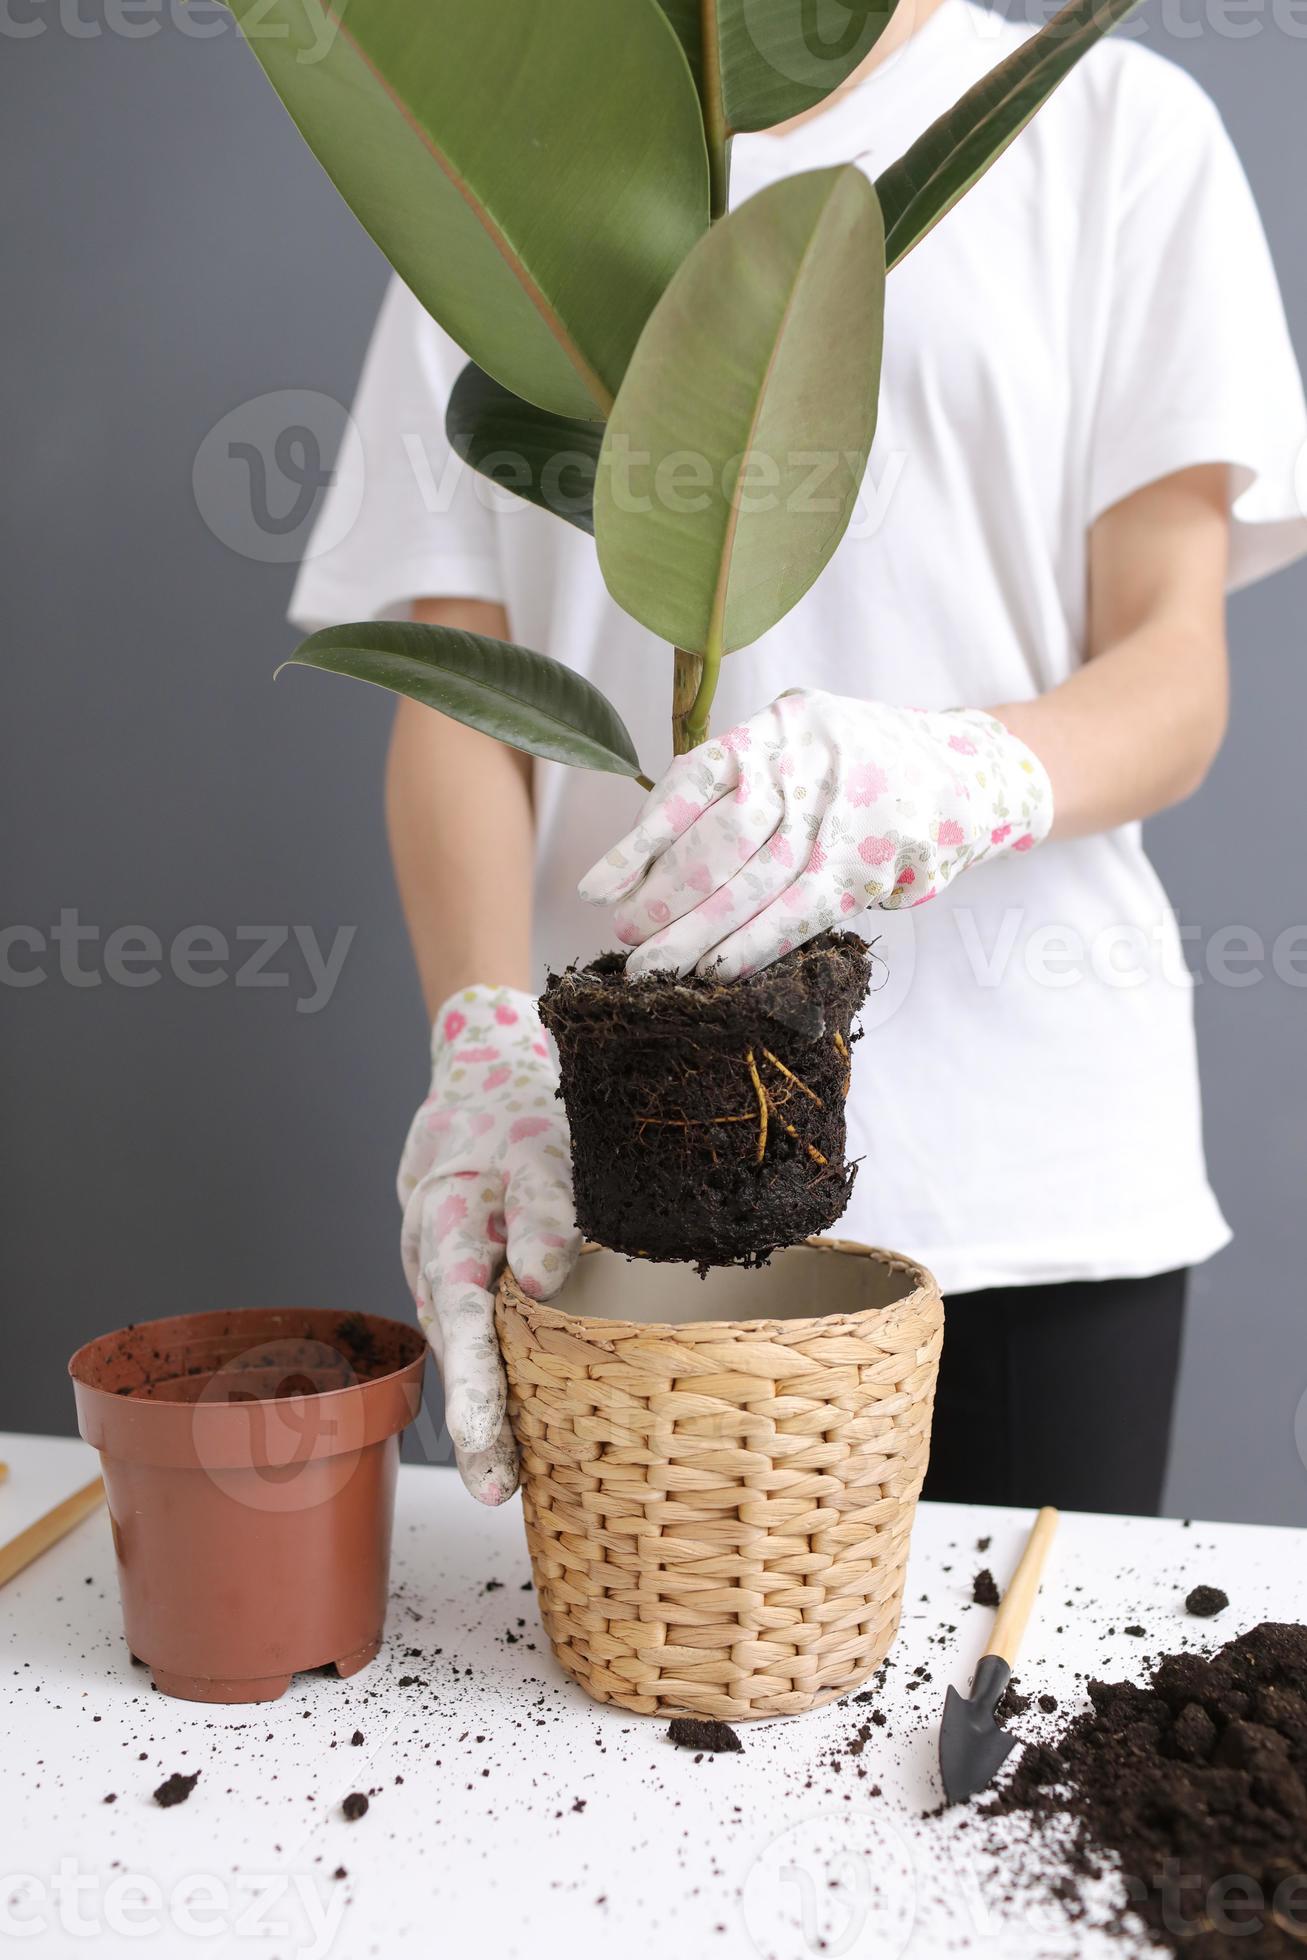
{"points": [[1099, 312]]}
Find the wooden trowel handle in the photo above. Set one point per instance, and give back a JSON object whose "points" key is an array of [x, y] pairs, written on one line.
{"points": [[1010, 1620], [48, 1530]]}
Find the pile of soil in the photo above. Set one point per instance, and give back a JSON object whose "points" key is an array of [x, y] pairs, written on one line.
{"points": [[705, 1733], [707, 1119], [1195, 1788], [175, 1789]]}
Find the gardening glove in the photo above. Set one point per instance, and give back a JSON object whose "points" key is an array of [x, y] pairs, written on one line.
{"points": [[804, 816], [486, 1173]]}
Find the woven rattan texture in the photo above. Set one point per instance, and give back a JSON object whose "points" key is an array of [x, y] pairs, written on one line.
{"points": [[718, 1513]]}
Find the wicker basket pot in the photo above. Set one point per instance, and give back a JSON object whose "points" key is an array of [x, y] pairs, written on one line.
{"points": [[717, 1509]]}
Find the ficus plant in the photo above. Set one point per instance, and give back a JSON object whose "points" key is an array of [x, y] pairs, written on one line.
{"points": [[551, 180]]}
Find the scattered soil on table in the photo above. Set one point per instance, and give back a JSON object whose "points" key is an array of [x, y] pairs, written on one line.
{"points": [[707, 1119], [354, 1806], [1194, 1787], [698, 1732], [175, 1789], [1204, 1601], [984, 1590]]}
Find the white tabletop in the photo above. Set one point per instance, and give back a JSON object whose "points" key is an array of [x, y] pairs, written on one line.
{"points": [[530, 1821]]}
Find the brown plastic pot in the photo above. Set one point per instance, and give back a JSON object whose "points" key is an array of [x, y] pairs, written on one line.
{"points": [[249, 1459]]}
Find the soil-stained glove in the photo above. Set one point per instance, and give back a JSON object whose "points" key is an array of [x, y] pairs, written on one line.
{"points": [[804, 816], [486, 1173]]}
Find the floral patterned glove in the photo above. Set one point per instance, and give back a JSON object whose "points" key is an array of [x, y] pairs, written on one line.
{"points": [[804, 816], [486, 1172]]}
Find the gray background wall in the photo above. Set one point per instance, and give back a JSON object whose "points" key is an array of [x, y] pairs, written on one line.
{"points": [[171, 251]]}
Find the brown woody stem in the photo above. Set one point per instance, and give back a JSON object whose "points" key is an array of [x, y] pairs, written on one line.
{"points": [[694, 684], [686, 676]]}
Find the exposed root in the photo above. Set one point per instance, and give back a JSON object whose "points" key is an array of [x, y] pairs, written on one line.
{"points": [[790, 1076], [763, 1105], [768, 1107], [811, 1149]]}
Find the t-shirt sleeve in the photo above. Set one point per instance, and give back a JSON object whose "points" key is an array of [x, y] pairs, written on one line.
{"points": [[1198, 365], [403, 518]]}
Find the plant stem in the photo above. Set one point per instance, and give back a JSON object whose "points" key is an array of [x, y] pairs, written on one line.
{"points": [[694, 684], [714, 114], [719, 173], [686, 675]]}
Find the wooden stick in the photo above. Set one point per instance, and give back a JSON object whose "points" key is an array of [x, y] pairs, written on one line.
{"points": [[47, 1531], [1010, 1620]]}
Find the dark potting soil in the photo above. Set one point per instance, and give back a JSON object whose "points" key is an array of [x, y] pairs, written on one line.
{"points": [[1194, 1787], [175, 1789], [984, 1588], [708, 1120], [1206, 1601], [359, 1343], [699, 1732], [354, 1806]]}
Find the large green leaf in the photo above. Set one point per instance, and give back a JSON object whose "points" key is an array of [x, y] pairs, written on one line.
{"points": [[522, 698], [759, 62], [549, 460], [959, 147], [535, 170], [739, 438]]}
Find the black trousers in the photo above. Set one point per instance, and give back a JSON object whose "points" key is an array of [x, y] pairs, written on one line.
{"points": [[1058, 1394]]}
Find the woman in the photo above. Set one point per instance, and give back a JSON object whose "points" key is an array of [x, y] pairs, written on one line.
{"points": [[1090, 422]]}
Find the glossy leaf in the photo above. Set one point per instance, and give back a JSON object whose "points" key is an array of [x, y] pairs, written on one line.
{"points": [[522, 698], [759, 62], [739, 438], [534, 171], [549, 460], [960, 146]]}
